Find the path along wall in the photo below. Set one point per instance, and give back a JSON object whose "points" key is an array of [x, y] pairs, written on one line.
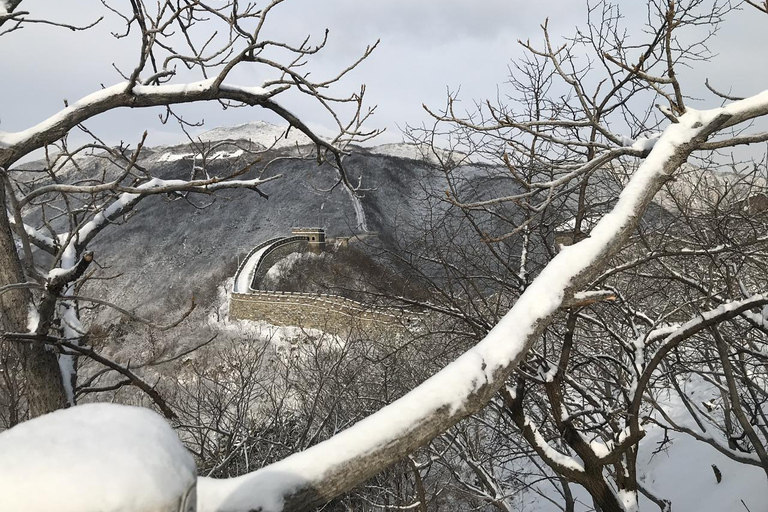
{"points": [[280, 250]]}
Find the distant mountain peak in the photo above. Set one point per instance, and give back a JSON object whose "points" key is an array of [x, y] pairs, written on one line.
{"points": [[272, 136], [259, 132], [420, 152]]}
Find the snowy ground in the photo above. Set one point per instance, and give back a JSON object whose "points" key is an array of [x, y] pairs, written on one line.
{"points": [[684, 475], [74, 442]]}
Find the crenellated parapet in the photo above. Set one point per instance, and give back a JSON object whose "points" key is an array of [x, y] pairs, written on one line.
{"points": [[277, 251]]}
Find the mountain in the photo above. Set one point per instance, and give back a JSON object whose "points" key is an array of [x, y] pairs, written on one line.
{"points": [[259, 132], [173, 248]]}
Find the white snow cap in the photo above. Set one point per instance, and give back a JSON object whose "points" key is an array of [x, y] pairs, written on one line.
{"points": [[96, 458], [260, 132]]}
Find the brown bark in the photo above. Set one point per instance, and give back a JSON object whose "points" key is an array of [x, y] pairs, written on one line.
{"points": [[40, 367]]}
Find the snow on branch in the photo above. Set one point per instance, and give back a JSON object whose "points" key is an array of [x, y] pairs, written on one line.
{"points": [[36, 236], [675, 337], [547, 452], [321, 472], [16, 145]]}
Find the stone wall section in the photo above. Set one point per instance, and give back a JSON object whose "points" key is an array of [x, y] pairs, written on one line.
{"points": [[330, 313], [243, 263]]}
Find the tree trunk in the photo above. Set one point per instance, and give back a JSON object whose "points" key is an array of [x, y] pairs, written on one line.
{"points": [[40, 366], [601, 493]]}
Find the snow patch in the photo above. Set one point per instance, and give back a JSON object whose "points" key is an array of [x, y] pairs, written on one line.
{"points": [[682, 472], [285, 265], [33, 319], [641, 143], [362, 223], [173, 157], [559, 457], [220, 155], [628, 499], [547, 372]]}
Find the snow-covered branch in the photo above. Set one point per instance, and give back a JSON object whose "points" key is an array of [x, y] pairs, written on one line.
{"points": [[685, 331], [18, 144], [466, 385], [186, 55]]}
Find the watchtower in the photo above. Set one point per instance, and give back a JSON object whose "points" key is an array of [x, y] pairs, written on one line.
{"points": [[315, 237]]}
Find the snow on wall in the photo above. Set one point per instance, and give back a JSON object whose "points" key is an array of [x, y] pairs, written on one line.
{"points": [[245, 274], [95, 458]]}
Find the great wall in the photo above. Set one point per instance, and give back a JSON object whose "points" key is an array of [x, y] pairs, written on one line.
{"points": [[327, 312]]}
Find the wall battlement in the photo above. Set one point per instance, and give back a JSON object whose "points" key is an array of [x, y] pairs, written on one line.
{"points": [[277, 251]]}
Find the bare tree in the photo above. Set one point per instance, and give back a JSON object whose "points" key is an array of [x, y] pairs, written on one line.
{"points": [[188, 53], [586, 367]]}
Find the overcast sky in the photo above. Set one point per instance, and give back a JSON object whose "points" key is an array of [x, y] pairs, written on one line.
{"points": [[427, 47]]}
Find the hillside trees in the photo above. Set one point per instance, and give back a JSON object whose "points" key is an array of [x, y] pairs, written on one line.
{"points": [[680, 307], [572, 123], [188, 52], [570, 126]]}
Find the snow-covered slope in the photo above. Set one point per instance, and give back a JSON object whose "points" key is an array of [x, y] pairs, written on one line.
{"points": [[259, 132], [265, 135], [417, 152], [173, 249], [172, 156], [695, 188]]}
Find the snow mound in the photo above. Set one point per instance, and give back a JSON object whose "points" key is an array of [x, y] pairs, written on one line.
{"points": [[259, 132], [682, 470], [96, 458], [172, 157]]}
